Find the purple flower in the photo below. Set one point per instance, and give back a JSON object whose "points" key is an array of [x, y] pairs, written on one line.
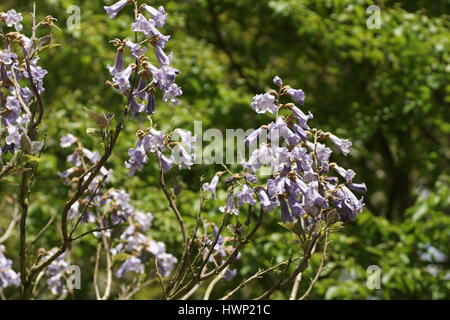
{"points": [[300, 132], [266, 155], [38, 74], [65, 174], [360, 187], [74, 158], [187, 139], [323, 154], [166, 163], [211, 187], [182, 157], [280, 129], [286, 215], [118, 63], [166, 263], [74, 210], [264, 102], [252, 137], [13, 138], [297, 95], [8, 277], [275, 187], [114, 10], [14, 107], [296, 206], [343, 144], [349, 206], [67, 140], [144, 220], [277, 81], [13, 19], [93, 157], [122, 79], [153, 141], [313, 200], [158, 15], [301, 117], [251, 178], [151, 104], [125, 209], [171, 94], [137, 160], [55, 273], [7, 57], [246, 195], [156, 247], [146, 26], [135, 48], [27, 45], [135, 107], [161, 56], [266, 204], [164, 76], [348, 174], [230, 206], [132, 264], [229, 274]]}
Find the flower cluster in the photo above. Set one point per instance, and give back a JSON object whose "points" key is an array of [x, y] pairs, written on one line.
{"points": [[304, 183], [111, 207], [21, 81], [180, 143], [56, 273], [148, 77], [139, 248], [8, 277]]}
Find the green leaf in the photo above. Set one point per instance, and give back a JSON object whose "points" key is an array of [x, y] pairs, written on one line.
{"points": [[99, 119], [94, 133], [31, 158], [36, 146], [121, 257]]}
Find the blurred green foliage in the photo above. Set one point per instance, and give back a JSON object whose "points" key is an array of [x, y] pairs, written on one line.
{"points": [[385, 89]]}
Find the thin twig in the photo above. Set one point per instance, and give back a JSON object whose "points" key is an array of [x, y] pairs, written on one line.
{"points": [[319, 271], [259, 274], [11, 225], [214, 282]]}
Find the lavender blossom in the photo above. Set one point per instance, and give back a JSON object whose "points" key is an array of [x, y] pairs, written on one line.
{"points": [[297, 95], [230, 274], [230, 206], [135, 48], [122, 79], [360, 187], [144, 25], [343, 144], [159, 16], [263, 103], [348, 174], [13, 19], [132, 264], [166, 263], [67, 140], [266, 204], [246, 195], [114, 10], [8, 277], [277, 81], [211, 187], [118, 63]]}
